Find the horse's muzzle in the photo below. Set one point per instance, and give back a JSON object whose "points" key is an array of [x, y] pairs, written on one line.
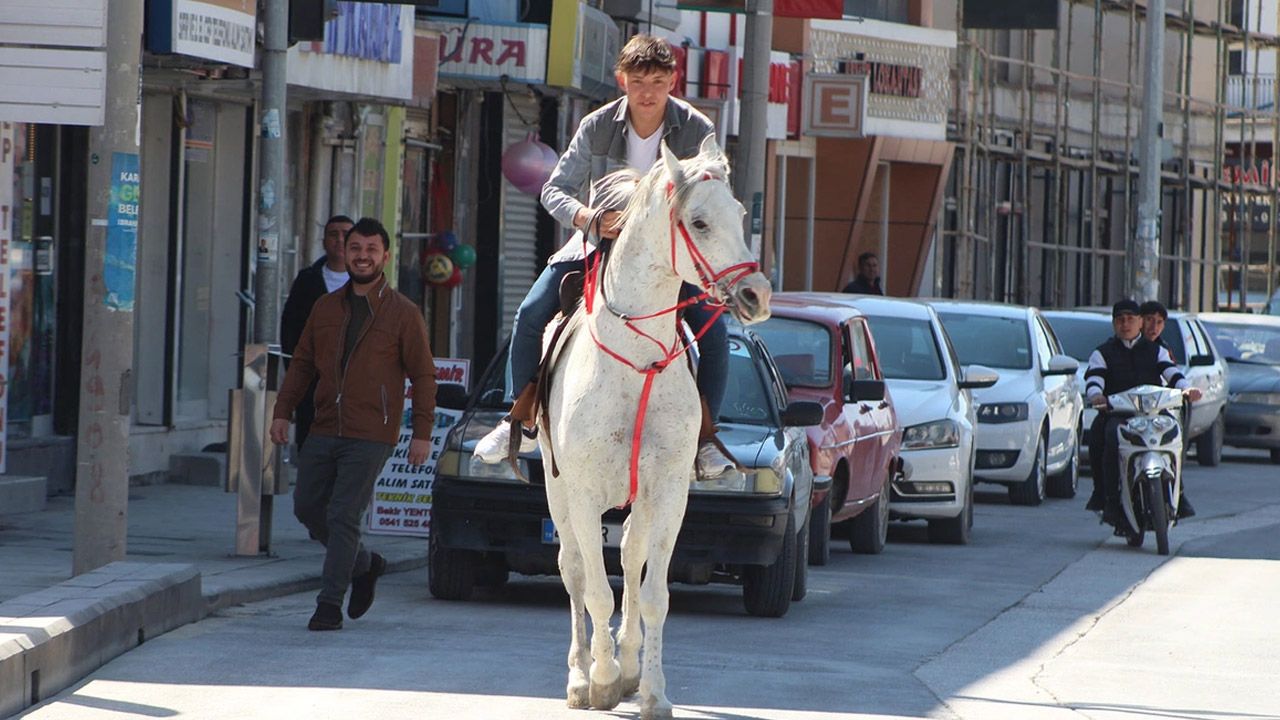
{"points": [[749, 299]]}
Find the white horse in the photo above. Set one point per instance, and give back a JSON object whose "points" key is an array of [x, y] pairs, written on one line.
{"points": [[682, 224]]}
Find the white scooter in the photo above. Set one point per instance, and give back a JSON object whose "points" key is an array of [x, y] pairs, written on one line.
{"points": [[1150, 449]]}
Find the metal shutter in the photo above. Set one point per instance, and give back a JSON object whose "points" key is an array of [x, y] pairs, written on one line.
{"points": [[519, 225]]}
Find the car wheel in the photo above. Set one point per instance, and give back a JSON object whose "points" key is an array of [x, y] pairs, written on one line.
{"points": [[800, 587], [820, 531], [957, 530], [766, 589], [450, 573], [869, 530], [1209, 444], [1065, 483], [1031, 490]]}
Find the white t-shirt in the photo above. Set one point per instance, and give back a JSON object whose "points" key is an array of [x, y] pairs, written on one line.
{"points": [[642, 153], [334, 280]]}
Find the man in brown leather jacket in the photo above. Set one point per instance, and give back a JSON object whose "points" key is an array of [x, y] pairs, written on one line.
{"points": [[359, 345]]}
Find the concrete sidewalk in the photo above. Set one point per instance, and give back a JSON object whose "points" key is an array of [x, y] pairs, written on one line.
{"points": [[184, 524]]}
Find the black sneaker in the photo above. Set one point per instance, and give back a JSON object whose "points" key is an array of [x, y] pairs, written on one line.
{"points": [[1096, 503], [362, 587], [1113, 514], [326, 617], [1184, 508]]}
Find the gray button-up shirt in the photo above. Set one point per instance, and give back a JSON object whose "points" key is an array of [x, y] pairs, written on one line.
{"points": [[598, 148]]}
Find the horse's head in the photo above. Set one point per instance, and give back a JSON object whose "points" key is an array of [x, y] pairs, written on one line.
{"points": [[707, 244]]}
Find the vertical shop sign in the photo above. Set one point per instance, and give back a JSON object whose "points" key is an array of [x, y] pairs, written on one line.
{"points": [[6, 235], [122, 232], [402, 493]]}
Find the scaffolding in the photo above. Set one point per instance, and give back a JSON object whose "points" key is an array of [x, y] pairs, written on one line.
{"points": [[1042, 203]]}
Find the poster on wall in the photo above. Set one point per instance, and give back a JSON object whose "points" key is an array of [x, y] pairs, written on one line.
{"points": [[402, 493], [7, 150]]}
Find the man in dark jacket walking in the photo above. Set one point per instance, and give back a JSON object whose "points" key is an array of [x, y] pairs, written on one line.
{"points": [[323, 277], [359, 345], [867, 281]]}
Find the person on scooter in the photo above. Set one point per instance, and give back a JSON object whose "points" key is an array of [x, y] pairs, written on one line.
{"points": [[1123, 362], [1154, 317]]}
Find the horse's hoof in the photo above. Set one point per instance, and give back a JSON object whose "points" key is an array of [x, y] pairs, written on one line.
{"points": [[656, 710], [630, 686], [607, 696], [579, 697]]}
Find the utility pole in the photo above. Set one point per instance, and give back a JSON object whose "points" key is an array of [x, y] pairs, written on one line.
{"points": [[272, 182], [106, 392], [1145, 278], [754, 120]]}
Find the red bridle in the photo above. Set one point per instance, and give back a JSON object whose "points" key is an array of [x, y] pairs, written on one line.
{"points": [[708, 280]]}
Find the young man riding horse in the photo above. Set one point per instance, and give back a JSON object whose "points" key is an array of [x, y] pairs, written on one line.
{"points": [[624, 133]]}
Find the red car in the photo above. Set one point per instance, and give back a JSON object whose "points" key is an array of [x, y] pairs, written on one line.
{"points": [[826, 354]]}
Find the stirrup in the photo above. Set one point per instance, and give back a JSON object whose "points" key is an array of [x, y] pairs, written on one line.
{"points": [[517, 434]]}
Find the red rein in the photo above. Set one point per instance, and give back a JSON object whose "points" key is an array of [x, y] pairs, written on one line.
{"points": [[708, 280]]}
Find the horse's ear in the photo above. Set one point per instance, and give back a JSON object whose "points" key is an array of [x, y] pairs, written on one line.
{"points": [[674, 170], [709, 146]]}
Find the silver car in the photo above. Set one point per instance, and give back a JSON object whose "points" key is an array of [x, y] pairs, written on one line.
{"points": [[1082, 331]]}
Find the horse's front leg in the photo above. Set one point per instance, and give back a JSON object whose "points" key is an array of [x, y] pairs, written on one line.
{"points": [[664, 525], [635, 548], [577, 691], [605, 675]]}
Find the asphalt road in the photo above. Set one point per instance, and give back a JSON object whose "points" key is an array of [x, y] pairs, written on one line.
{"points": [[1042, 616]]}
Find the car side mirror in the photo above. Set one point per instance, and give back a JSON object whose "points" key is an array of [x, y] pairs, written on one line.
{"points": [[976, 377], [451, 396], [1200, 361], [802, 413], [1061, 365], [867, 391]]}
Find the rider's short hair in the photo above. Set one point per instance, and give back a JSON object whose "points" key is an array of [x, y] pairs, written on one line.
{"points": [[369, 227], [646, 54], [1153, 307], [864, 257]]}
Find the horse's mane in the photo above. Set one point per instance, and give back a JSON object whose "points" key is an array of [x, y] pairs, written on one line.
{"points": [[633, 191]]}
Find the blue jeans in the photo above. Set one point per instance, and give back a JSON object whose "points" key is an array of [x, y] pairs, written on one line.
{"points": [[543, 302]]}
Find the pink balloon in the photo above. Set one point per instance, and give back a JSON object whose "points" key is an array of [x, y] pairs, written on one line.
{"points": [[527, 164]]}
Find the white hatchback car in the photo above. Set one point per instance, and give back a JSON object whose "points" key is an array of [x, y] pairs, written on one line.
{"points": [[931, 395], [1029, 421]]}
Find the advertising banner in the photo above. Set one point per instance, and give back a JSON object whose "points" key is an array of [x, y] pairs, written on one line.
{"points": [[221, 30], [402, 493]]}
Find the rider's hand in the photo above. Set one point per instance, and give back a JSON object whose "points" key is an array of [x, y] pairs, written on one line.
{"points": [[279, 431], [610, 224], [1100, 402], [1194, 394]]}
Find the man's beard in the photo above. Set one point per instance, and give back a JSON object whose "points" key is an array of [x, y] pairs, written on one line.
{"points": [[356, 277]]}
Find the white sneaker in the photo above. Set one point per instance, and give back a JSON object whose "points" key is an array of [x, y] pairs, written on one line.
{"points": [[711, 462], [492, 448]]}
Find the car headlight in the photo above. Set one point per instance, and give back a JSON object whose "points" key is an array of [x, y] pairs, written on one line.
{"points": [[1002, 412], [938, 434], [1257, 398], [759, 481], [462, 464]]}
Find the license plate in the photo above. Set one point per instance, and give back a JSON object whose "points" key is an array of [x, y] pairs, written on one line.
{"points": [[610, 533]]}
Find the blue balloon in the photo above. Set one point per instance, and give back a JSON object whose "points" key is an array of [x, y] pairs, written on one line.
{"points": [[446, 241]]}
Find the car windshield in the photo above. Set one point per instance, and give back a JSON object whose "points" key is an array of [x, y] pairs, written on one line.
{"points": [[800, 349], [1240, 342], [997, 342], [746, 396], [1081, 336], [907, 349]]}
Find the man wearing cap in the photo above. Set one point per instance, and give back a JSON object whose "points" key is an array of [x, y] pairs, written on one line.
{"points": [[1124, 361]]}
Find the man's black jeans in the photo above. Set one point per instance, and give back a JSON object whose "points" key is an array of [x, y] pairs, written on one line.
{"points": [[1104, 454], [335, 484]]}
